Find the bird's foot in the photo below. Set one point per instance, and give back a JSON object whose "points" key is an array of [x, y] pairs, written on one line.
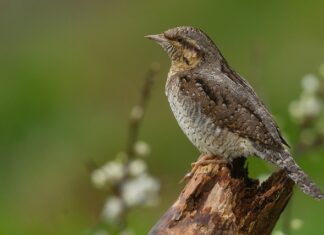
{"points": [[203, 160]]}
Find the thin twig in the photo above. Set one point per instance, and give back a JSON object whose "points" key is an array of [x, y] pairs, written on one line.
{"points": [[138, 110], [136, 118]]}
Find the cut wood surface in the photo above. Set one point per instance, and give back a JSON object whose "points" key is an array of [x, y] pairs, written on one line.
{"points": [[221, 199]]}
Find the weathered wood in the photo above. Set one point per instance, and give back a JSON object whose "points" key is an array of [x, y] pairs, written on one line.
{"points": [[221, 199]]}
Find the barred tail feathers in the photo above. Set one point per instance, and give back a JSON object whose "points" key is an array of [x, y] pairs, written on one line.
{"points": [[287, 162]]}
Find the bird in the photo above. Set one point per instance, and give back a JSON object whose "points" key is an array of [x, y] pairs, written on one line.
{"points": [[218, 110]]}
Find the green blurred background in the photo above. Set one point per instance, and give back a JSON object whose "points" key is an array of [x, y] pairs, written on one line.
{"points": [[72, 70]]}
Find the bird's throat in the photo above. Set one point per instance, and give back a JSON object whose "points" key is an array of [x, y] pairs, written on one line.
{"points": [[187, 60]]}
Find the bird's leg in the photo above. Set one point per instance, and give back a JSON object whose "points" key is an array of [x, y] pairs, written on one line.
{"points": [[203, 160]]}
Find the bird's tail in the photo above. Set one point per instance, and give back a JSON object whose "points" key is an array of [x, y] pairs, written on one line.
{"points": [[287, 163]]}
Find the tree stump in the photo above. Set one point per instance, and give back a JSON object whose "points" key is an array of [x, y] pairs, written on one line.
{"points": [[222, 199]]}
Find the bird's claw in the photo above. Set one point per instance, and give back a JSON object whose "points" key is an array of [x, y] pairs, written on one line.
{"points": [[203, 160]]}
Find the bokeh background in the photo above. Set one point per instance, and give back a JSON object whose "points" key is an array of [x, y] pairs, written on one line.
{"points": [[71, 71]]}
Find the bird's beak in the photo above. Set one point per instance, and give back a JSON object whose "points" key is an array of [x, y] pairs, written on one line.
{"points": [[159, 38], [162, 41]]}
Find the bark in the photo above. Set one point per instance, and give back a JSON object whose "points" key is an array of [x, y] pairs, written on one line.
{"points": [[222, 199]]}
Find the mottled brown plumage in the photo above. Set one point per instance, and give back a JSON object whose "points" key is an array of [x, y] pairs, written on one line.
{"points": [[217, 109]]}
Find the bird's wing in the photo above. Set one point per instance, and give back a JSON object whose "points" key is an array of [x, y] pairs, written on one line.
{"points": [[254, 99], [234, 107]]}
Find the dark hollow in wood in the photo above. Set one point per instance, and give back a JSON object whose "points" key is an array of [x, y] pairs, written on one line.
{"points": [[222, 199]]}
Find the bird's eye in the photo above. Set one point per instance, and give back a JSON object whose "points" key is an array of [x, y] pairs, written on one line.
{"points": [[180, 40]]}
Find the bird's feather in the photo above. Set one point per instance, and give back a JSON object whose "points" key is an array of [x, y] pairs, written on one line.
{"points": [[244, 115]]}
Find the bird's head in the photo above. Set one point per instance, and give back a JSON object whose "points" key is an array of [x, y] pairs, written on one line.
{"points": [[187, 47]]}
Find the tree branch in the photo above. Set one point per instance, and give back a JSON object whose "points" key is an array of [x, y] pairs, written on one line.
{"points": [[221, 199]]}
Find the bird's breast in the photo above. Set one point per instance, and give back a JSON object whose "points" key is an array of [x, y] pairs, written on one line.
{"points": [[201, 130]]}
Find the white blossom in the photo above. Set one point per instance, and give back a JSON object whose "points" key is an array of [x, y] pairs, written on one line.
{"points": [[296, 110], [113, 209], [311, 106], [296, 224], [98, 178], [137, 167], [110, 173], [114, 170], [310, 83], [141, 190], [142, 149], [308, 106], [137, 113]]}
